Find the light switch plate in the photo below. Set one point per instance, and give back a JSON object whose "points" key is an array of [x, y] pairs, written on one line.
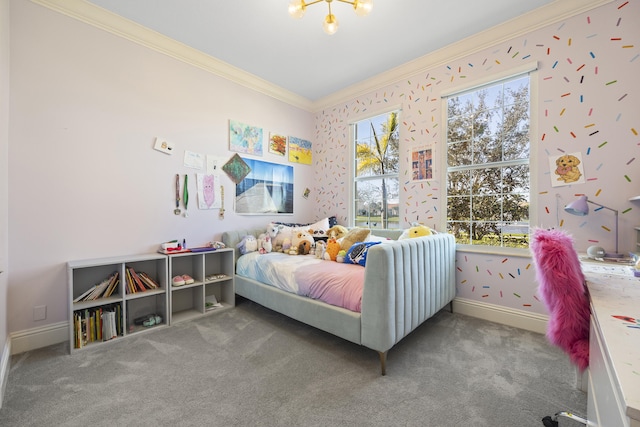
{"points": [[163, 145]]}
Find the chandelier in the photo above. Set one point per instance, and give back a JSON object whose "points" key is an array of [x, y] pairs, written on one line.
{"points": [[330, 24]]}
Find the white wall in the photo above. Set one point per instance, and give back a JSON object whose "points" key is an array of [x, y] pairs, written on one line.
{"points": [[85, 109]]}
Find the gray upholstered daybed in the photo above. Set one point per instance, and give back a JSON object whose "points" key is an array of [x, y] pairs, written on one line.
{"points": [[406, 282]]}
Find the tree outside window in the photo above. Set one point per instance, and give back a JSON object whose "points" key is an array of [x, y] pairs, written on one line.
{"points": [[376, 185], [488, 177]]}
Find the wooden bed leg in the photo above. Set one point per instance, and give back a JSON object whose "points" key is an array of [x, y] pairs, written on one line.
{"points": [[383, 362], [451, 306]]}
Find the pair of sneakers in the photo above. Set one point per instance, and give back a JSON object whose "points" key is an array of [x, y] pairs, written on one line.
{"points": [[184, 279]]}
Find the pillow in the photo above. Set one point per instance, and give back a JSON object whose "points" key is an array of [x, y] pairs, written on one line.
{"points": [[354, 235], [357, 254]]}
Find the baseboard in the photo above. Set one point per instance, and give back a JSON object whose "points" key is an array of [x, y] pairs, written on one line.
{"points": [[500, 314], [4, 368], [35, 338]]}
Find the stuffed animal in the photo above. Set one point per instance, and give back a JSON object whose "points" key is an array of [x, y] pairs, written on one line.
{"points": [[419, 231], [416, 230], [353, 236], [302, 243], [333, 247], [341, 255], [280, 237], [321, 247], [249, 243], [265, 245], [337, 231]]}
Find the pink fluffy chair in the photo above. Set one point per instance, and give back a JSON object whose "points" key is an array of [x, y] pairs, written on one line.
{"points": [[563, 291]]}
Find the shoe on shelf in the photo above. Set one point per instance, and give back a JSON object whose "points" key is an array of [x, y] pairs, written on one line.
{"points": [[187, 279], [178, 281]]}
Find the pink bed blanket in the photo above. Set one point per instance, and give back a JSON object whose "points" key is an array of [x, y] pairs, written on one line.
{"points": [[328, 281]]}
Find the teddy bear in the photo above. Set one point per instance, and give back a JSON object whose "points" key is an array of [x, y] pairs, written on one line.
{"points": [[249, 243], [333, 247], [301, 243]]}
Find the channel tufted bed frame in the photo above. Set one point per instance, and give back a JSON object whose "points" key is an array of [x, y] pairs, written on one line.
{"points": [[406, 282]]}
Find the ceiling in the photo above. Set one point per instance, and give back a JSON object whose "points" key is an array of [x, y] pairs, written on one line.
{"points": [[259, 36]]}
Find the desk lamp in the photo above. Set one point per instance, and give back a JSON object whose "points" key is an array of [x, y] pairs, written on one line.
{"points": [[580, 207]]}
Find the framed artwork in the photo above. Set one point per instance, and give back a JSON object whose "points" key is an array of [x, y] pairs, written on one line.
{"points": [[267, 189], [278, 144], [422, 164], [300, 151], [244, 138], [567, 169]]}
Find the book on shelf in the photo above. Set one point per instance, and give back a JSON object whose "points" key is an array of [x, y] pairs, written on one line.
{"points": [[103, 289], [139, 282], [96, 324]]}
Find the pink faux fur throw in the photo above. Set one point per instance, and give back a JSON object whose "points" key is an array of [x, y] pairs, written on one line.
{"points": [[562, 288]]}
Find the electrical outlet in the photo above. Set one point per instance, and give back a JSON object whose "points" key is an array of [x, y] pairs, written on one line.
{"points": [[40, 312], [163, 145]]}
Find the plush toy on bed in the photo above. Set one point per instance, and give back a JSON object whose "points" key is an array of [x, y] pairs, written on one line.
{"points": [[333, 247], [249, 243], [419, 231], [416, 230], [301, 243], [336, 232], [353, 236], [264, 245], [320, 248]]}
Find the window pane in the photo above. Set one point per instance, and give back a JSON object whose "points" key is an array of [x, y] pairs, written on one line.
{"points": [[377, 203], [459, 183], [489, 127], [377, 145]]}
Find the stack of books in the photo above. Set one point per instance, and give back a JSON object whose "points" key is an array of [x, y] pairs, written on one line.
{"points": [[139, 282], [101, 290], [97, 324]]}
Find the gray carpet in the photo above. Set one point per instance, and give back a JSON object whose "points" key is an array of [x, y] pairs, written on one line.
{"points": [[250, 366]]}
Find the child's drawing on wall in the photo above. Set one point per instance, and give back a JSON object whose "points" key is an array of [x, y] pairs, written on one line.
{"points": [[207, 198], [567, 169]]}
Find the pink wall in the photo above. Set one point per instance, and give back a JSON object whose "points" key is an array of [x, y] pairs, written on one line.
{"points": [[86, 106], [588, 102]]}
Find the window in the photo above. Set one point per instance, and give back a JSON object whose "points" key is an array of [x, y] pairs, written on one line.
{"points": [[488, 173], [376, 186]]}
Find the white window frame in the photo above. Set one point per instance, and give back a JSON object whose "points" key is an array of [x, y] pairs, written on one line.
{"points": [[352, 154], [530, 68]]}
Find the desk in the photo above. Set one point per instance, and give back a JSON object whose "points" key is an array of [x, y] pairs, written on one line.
{"points": [[614, 346]]}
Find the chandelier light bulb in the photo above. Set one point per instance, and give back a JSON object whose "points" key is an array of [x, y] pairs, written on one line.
{"points": [[297, 8], [330, 24], [363, 7]]}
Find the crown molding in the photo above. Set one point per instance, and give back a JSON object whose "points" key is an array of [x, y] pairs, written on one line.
{"points": [[508, 30], [101, 18], [98, 17]]}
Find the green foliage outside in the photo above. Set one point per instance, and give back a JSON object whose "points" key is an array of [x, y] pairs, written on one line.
{"points": [[377, 165], [488, 165]]}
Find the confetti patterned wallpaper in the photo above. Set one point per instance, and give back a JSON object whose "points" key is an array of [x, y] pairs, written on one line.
{"points": [[588, 103]]}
